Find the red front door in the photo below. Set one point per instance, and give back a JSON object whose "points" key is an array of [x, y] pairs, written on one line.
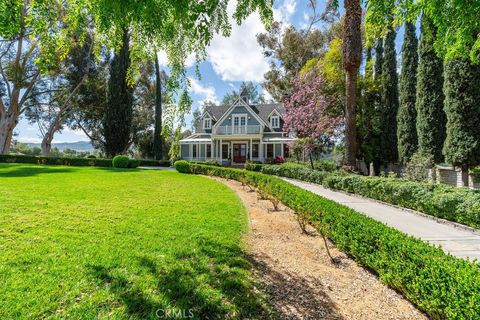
{"points": [[239, 152]]}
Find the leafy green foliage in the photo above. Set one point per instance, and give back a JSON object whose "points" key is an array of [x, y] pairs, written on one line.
{"points": [[120, 162], [407, 114], [456, 21], [431, 118], [439, 284], [417, 167], [462, 96], [106, 253], [447, 202]]}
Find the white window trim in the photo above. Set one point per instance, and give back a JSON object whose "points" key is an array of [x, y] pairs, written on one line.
{"points": [[239, 116], [277, 126], [209, 122]]}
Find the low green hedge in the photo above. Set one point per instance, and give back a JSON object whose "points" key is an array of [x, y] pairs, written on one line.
{"points": [[93, 162], [460, 205], [439, 284]]}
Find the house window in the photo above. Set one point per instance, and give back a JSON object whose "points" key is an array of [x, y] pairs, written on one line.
{"points": [[269, 150], [286, 151], [207, 123], [275, 121], [225, 151], [194, 151], [255, 150], [209, 150]]}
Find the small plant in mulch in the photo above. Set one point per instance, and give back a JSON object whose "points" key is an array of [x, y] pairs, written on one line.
{"points": [[303, 221], [275, 202], [245, 183]]}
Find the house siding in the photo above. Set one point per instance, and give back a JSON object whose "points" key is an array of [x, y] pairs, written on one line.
{"points": [[251, 120]]}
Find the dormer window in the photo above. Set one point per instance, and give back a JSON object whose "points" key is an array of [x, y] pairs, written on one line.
{"points": [[207, 123], [275, 122]]}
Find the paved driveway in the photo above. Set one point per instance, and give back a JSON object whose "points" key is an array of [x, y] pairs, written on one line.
{"points": [[460, 242]]}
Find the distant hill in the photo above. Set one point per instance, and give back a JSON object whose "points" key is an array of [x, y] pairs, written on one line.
{"points": [[78, 146]]}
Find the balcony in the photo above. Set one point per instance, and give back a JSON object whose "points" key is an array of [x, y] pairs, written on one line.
{"points": [[237, 130]]}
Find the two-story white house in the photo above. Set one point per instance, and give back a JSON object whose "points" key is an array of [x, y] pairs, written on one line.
{"points": [[233, 134]]}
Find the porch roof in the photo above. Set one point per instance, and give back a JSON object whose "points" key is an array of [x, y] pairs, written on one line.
{"points": [[195, 140], [278, 139]]}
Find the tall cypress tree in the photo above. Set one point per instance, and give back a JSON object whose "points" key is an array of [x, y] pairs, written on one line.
{"points": [[407, 115], [389, 108], [378, 59], [117, 122], [431, 118], [462, 98]]}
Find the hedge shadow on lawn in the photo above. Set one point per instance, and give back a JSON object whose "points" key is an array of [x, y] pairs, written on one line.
{"points": [[211, 279], [16, 172]]}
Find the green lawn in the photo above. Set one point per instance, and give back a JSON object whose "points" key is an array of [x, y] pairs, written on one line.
{"points": [[95, 242]]}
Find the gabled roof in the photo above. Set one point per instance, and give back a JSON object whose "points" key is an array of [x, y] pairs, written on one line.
{"points": [[262, 111]]}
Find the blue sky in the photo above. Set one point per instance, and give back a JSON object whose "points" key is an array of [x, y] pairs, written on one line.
{"points": [[229, 62]]}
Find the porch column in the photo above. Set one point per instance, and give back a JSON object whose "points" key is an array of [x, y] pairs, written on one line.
{"points": [[221, 149], [281, 150], [250, 149], [260, 151], [211, 150]]}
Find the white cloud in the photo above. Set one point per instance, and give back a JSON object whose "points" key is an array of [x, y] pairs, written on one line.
{"points": [[207, 92], [239, 57], [29, 140], [268, 97]]}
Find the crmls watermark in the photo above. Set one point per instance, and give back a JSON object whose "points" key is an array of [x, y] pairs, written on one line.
{"points": [[174, 313]]}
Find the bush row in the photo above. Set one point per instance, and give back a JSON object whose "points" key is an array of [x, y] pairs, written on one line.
{"points": [[93, 162], [439, 284], [460, 205]]}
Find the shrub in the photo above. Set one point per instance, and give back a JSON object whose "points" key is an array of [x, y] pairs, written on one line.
{"points": [[133, 163], [253, 166], [279, 159], [417, 168], [120, 162], [439, 284], [182, 166], [475, 173], [325, 165]]}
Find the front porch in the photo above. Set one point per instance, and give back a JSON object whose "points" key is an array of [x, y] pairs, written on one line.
{"points": [[234, 151]]}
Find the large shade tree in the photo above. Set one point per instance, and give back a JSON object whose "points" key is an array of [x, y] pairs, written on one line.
{"points": [[37, 32]]}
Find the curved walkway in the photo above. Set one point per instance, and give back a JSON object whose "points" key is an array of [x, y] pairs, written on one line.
{"points": [[460, 242]]}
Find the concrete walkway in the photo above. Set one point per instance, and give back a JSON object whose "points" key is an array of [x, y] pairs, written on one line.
{"points": [[460, 242]]}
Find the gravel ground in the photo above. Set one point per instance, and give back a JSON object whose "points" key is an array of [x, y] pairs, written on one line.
{"points": [[293, 269]]}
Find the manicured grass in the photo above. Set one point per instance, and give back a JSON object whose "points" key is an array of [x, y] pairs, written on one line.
{"points": [[100, 242]]}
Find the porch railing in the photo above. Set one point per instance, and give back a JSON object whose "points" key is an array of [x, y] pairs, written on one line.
{"points": [[229, 130]]}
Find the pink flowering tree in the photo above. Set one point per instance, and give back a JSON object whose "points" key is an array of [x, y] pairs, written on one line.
{"points": [[311, 114]]}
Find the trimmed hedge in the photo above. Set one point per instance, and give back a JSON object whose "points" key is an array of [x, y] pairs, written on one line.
{"points": [[439, 284], [93, 162], [64, 161], [460, 205]]}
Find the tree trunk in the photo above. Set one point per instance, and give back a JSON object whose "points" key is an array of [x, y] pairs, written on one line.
{"points": [[350, 118], [352, 57], [157, 134], [7, 125]]}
